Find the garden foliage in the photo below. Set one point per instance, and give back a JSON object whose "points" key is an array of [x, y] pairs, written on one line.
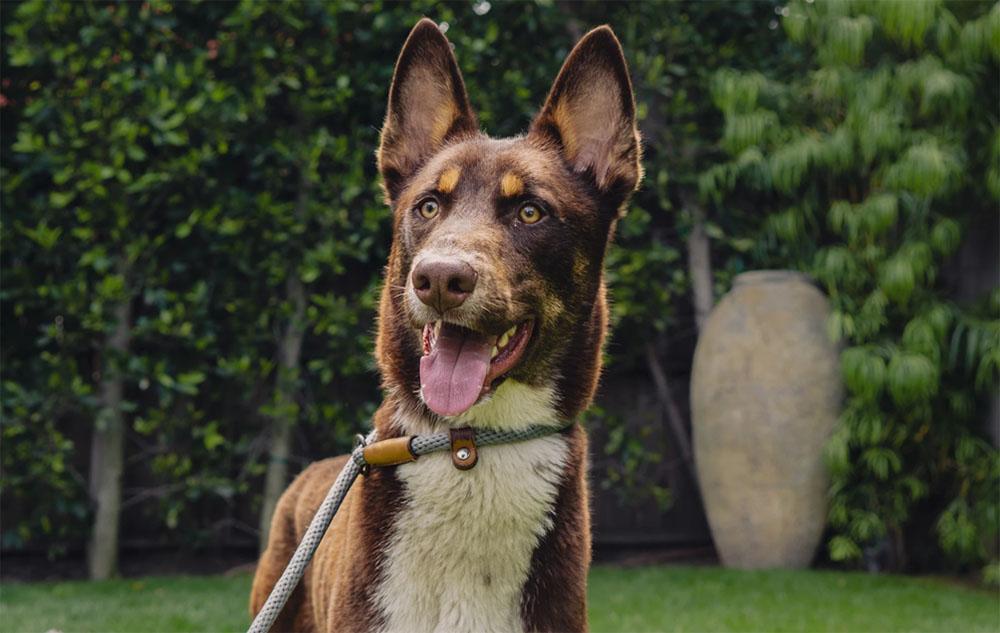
{"points": [[207, 170], [872, 166], [210, 167]]}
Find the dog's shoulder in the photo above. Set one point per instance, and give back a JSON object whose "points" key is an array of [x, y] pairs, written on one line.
{"points": [[304, 496]]}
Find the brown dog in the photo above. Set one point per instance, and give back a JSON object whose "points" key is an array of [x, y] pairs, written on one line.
{"points": [[493, 315]]}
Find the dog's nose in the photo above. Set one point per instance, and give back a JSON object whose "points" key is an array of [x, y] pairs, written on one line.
{"points": [[444, 284]]}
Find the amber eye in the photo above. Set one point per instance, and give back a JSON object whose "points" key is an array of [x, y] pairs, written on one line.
{"points": [[428, 208], [530, 213]]}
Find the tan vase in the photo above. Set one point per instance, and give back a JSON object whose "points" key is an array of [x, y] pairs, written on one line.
{"points": [[765, 395]]}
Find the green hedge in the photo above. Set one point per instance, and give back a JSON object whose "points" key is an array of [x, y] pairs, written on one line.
{"points": [[194, 159]]}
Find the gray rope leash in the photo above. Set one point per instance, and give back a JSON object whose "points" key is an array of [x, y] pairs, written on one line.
{"points": [[418, 445]]}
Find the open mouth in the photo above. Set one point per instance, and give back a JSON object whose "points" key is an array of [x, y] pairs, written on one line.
{"points": [[460, 365]]}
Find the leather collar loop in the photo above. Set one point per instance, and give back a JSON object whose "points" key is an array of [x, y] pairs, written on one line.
{"points": [[463, 448]]}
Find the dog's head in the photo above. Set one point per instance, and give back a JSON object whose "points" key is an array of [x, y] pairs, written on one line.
{"points": [[495, 283]]}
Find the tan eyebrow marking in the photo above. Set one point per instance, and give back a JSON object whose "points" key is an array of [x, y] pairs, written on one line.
{"points": [[511, 185], [448, 179]]}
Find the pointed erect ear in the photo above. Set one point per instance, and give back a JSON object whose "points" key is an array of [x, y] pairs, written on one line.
{"points": [[590, 114], [427, 106]]}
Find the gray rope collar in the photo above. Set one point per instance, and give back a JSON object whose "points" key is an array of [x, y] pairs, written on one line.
{"points": [[463, 444]]}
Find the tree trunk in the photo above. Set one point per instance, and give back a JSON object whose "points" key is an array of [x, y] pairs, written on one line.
{"points": [[286, 410], [289, 349], [674, 417], [700, 266], [107, 451]]}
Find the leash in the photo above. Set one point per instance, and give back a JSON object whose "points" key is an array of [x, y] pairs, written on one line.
{"points": [[369, 453]]}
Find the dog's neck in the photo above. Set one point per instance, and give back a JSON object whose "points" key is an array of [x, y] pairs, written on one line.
{"points": [[513, 406], [462, 542]]}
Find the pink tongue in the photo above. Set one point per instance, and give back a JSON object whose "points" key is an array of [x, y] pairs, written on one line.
{"points": [[452, 375]]}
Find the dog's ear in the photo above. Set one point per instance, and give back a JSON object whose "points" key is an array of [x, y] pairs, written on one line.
{"points": [[427, 106], [590, 115]]}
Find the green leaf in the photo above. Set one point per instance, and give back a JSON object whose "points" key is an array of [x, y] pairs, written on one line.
{"points": [[907, 22], [913, 378], [926, 169], [843, 549], [919, 337], [881, 461], [845, 39], [946, 236], [897, 279], [42, 234], [864, 372], [61, 199]]}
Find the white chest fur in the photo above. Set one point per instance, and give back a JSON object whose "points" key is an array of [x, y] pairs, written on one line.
{"points": [[461, 549]]}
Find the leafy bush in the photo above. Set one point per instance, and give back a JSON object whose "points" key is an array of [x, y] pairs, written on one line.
{"points": [[874, 165], [206, 171]]}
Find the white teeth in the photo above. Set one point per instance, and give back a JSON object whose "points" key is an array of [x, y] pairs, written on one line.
{"points": [[495, 351], [437, 328]]}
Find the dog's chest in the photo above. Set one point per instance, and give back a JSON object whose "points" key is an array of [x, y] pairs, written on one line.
{"points": [[462, 546]]}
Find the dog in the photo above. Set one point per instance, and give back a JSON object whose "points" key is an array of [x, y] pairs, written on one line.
{"points": [[492, 315]]}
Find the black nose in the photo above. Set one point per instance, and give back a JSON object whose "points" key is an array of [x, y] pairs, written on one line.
{"points": [[444, 283]]}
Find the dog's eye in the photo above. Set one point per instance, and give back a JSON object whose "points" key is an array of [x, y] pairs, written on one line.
{"points": [[530, 213], [428, 208]]}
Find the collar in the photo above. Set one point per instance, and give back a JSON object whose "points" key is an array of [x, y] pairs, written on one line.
{"points": [[462, 442]]}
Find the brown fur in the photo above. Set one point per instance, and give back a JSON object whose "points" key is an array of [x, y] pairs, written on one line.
{"points": [[580, 161]]}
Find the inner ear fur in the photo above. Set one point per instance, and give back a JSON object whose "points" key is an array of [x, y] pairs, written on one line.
{"points": [[428, 106], [590, 114]]}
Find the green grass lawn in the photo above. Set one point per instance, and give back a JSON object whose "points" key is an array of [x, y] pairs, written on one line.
{"points": [[627, 600]]}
